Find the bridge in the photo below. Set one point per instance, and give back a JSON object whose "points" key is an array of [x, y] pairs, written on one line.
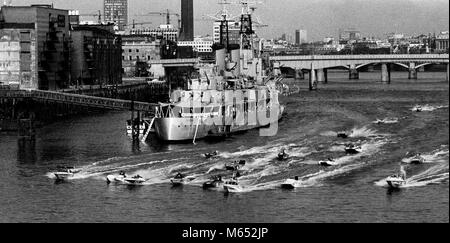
{"points": [[81, 100], [317, 65]]}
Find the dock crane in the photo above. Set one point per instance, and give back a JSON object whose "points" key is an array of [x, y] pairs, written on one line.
{"points": [[167, 14]]}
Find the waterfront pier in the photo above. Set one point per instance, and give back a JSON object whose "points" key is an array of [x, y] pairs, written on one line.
{"points": [[41, 106]]}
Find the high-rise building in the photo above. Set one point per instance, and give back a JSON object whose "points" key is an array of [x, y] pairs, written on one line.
{"points": [[40, 53], [96, 55], [234, 36], [187, 20], [116, 11], [301, 37], [289, 39]]}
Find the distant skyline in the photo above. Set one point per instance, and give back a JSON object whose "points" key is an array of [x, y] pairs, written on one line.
{"points": [[319, 17]]}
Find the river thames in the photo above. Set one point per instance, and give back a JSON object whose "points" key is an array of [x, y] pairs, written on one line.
{"points": [[353, 191]]}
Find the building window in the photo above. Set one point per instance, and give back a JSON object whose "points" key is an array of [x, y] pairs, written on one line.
{"points": [[131, 58], [25, 36]]}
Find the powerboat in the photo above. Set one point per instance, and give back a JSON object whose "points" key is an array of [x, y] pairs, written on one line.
{"points": [[214, 183], [386, 121], [240, 162], [63, 175], [352, 149], [417, 108], [282, 156], [418, 159], [66, 172], [232, 186], [378, 121], [180, 180], [342, 135], [232, 167], [395, 181], [135, 180], [327, 163], [211, 155], [116, 178], [235, 165], [290, 183], [130, 127]]}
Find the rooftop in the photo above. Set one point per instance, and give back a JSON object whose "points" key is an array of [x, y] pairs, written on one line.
{"points": [[47, 6]]}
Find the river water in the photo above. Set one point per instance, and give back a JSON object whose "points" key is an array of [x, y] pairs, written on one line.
{"points": [[353, 191]]}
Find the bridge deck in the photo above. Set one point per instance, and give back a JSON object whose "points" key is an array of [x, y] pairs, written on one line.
{"points": [[82, 100], [406, 57], [328, 61]]}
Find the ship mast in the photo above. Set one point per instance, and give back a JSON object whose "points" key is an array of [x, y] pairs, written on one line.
{"points": [[246, 27], [224, 32], [223, 17], [250, 62]]}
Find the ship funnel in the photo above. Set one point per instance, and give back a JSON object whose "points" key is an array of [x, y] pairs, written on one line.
{"points": [[220, 57], [236, 59]]}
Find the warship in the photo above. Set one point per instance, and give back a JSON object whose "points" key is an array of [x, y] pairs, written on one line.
{"points": [[236, 93]]}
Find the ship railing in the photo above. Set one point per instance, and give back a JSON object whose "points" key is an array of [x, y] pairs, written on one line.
{"points": [[161, 113], [200, 115], [167, 111]]}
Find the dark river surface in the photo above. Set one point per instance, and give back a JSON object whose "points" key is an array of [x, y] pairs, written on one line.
{"points": [[353, 191]]}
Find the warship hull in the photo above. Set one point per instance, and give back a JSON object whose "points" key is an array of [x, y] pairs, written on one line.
{"points": [[177, 129]]}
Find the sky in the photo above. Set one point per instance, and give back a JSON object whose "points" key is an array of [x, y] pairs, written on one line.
{"points": [[320, 18]]}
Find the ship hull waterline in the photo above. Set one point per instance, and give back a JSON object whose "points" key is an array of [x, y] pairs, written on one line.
{"points": [[173, 129]]}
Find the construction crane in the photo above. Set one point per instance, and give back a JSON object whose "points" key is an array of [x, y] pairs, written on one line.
{"points": [[134, 24], [167, 14], [7, 3], [98, 14]]}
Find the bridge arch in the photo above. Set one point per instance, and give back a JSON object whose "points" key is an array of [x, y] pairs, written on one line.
{"points": [[376, 63], [365, 64], [422, 65], [396, 63], [401, 65], [345, 66]]}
